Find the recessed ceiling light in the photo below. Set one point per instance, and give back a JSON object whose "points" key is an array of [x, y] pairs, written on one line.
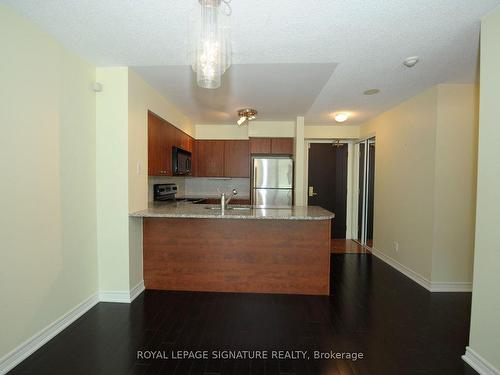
{"points": [[411, 61], [371, 92], [341, 117]]}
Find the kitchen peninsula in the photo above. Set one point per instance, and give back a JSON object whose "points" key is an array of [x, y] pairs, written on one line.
{"points": [[197, 247]]}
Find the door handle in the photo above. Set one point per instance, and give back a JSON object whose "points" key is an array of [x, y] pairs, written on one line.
{"points": [[311, 191]]}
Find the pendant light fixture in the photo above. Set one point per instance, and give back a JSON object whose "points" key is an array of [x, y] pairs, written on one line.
{"points": [[210, 44]]}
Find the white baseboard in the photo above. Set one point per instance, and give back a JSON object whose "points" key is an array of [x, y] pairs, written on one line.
{"points": [[431, 286], [437, 286], [478, 363], [136, 290], [122, 297], [419, 279], [23, 351]]}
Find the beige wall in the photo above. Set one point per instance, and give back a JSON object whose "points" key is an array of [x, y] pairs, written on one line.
{"points": [[48, 262], [272, 129], [425, 149], [455, 182], [221, 131], [112, 179], [254, 129], [404, 181], [300, 164], [485, 327], [122, 171], [331, 131]]}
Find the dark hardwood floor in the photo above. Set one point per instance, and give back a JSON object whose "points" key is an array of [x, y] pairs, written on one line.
{"points": [[398, 326], [343, 246]]}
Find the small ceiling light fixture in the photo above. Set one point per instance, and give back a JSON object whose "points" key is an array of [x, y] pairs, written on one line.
{"points": [[245, 115], [210, 52], [341, 117], [411, 61], [371, 92]]}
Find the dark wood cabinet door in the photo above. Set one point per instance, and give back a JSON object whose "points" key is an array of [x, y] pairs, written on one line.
{"points": [[162, 137], [168, 142], [210, 158], [184, 141], [282, 146], [260, 145], [236, 159], [155, 136], [190, 144]]}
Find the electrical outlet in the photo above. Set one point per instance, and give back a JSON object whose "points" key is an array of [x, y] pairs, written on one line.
{"points": [[396, 245]]}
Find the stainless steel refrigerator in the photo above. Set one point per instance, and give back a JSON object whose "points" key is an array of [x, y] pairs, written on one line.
{"points": [[272, 181]]}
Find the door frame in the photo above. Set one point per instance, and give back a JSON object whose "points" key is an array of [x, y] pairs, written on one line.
{"points": [[366, 141], [350, 178]]}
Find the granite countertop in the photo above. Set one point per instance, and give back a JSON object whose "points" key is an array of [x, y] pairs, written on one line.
{"points": [[206, 211]]}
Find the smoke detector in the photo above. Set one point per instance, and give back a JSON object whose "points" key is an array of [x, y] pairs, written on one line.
{"points": [[411, 61], [245, 115]]}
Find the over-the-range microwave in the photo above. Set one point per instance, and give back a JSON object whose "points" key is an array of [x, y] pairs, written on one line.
{"points": [[181, 162]]}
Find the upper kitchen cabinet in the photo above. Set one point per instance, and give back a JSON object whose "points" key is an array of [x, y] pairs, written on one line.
{"points": [[210, 158], [157, 151], [236, 159], [282, 146], [260, 145], [275, 146], [162, 136]]}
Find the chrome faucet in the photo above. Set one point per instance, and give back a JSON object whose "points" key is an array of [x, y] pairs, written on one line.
{"points": [[225, 201]]}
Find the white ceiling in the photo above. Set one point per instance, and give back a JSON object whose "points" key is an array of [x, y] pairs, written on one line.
{"points": [[292, 57]]}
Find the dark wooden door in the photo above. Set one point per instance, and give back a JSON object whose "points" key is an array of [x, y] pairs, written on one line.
{"points": [[210, 158], [236, 159], [328, 179]]}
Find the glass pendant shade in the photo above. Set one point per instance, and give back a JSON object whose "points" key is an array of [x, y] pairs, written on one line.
{"points": [[211, 48]]}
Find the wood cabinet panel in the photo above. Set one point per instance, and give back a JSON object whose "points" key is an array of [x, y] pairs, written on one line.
{"points": [[159, 157], [236, 159], [282, 146], [162, 136], [260, 145], [275, 146], [210, 158], [263, 256]]}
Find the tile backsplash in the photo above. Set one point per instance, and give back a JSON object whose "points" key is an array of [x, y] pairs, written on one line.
{"points": [[203, 186]]}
